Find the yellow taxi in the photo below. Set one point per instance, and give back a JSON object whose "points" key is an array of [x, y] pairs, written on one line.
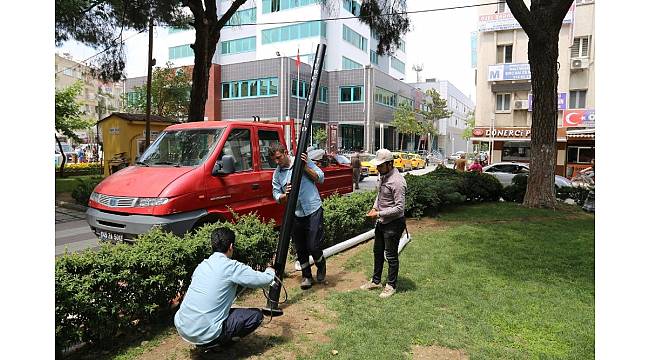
{"points": [[417, 161], [402, 162], [365, 162]]}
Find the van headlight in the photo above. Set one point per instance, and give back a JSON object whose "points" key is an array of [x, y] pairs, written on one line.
{"points": [[144, 202]]}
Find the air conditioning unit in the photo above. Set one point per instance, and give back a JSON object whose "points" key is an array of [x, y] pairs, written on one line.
{"points": [[578, 64], [521, 105]]}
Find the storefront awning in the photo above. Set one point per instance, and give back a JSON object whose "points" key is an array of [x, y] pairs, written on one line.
{"points": [[487, 139], [581, 134]]}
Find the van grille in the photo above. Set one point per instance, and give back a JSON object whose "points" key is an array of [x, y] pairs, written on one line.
{"points": [[116, 201]]}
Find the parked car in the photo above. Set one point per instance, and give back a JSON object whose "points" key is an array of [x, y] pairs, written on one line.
{"points": [[67, 150], [435, 157], [506, 171], [456, 155], [417, 162], [365, 162], [198, 173], [402, 162]]}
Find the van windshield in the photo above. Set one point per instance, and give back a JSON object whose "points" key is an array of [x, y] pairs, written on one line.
{"points": [[189, 147]]}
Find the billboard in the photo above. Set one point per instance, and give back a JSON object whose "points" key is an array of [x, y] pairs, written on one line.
{"points": [[561, 101], [502, 72], [506, 21]]}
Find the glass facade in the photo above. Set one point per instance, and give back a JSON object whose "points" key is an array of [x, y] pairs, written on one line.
{"points": [[397, 65], [385, 97], [248, 16], [348, 64], [249, 88], [355, 38], [269, 6], [374, 58], [352, 7], [294, 32], [238, 46], [182, 51]]}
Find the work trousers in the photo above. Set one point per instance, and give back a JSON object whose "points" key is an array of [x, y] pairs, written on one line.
{"points": [[387, 240], [356, 174], [239, 323], [308, 238]]}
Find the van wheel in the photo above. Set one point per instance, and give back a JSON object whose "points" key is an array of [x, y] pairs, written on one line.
{"points": [[209, 219]]}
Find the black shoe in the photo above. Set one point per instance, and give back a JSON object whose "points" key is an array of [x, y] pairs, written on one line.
{"points": [[320, 272], [306, 283]]}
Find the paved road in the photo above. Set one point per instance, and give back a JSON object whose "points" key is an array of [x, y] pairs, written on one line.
{"points": [[72, 232]]}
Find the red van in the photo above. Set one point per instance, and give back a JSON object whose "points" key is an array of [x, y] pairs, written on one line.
{"points": [[193, 174]]}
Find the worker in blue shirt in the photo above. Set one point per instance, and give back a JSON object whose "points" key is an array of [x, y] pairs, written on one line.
{"points": [[205, 317], [307, 232]]}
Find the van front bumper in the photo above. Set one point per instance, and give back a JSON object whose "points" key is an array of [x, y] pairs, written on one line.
{"points": [[133, 225]]}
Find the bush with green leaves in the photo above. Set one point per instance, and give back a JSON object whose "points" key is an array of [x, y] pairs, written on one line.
{"points": [[516, 191], [100, 293], [421, 197], [481, 187], [577, 193], [81, 193], [345, 216]]}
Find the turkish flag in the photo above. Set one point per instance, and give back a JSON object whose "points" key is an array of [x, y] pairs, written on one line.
{"points": [[573, 118]]}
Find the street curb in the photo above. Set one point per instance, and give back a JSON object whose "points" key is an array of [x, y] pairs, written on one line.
{"points": [[71, 206]]}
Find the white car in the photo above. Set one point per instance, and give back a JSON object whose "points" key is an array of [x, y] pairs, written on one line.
{"points": [[506, 171], [456, 155]]}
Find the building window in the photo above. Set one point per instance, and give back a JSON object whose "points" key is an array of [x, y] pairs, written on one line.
{"points": [[279, 5], [178, 52], [504, 54], [577, 99], [248, 16], [355, 38], [385, 97], [501, 6], [404, 100], [580, 154], [373, 57], [397, 65], [238, 46], [503, 103], [350, 64], [302, 90], [352, 7], [351, 94], [294, 32], [580, 47], [323, 94], [249, 88], [515, 151]]}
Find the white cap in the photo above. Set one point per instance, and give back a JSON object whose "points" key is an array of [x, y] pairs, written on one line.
{"points": [[383, 155]]}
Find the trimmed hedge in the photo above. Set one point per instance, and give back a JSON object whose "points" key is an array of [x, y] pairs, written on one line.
{"points": [[83, 189], [429, 193], [100, 293], [516, 191], [345, 216]]}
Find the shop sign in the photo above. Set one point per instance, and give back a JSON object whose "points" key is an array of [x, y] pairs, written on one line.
{"points": [[561, 101], [114, 131], [579, 118], [509, 72], [523, 133], [506, 21]]}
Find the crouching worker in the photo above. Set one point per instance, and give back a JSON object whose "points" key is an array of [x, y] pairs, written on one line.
{"points": [[205, 317]]}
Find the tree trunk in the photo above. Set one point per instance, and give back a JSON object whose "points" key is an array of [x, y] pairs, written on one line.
{"points": [[204, 48], [542, 56], [62, 166]]}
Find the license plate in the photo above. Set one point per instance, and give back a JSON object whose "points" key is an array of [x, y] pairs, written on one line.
{"points": [[109, 236]]}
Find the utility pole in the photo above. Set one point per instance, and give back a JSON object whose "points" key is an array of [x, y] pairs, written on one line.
{"points": [[150, 63], [417, 69]]}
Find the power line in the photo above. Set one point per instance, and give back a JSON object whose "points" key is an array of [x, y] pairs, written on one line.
{"points": [[99, 53], [306, 21], [359, 17]]}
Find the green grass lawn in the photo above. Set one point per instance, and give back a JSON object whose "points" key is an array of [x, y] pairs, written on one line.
{"points": [[499, 282], [68, 184]]}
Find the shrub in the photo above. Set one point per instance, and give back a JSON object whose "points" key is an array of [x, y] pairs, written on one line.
{"points": [[99, 293], [481, 187], [421, 196], [81, 193], [516, 191], [577, 193], [345, 216]]}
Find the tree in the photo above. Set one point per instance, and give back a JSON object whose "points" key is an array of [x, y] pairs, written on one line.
{"points": [[435, 108], [542, 23], [471, 123], [170, 93], [389, 21], [68, 115], [320, 136], [405, 122]]}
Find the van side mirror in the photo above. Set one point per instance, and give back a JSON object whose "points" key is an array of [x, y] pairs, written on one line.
{"points": [[224, 166]]}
